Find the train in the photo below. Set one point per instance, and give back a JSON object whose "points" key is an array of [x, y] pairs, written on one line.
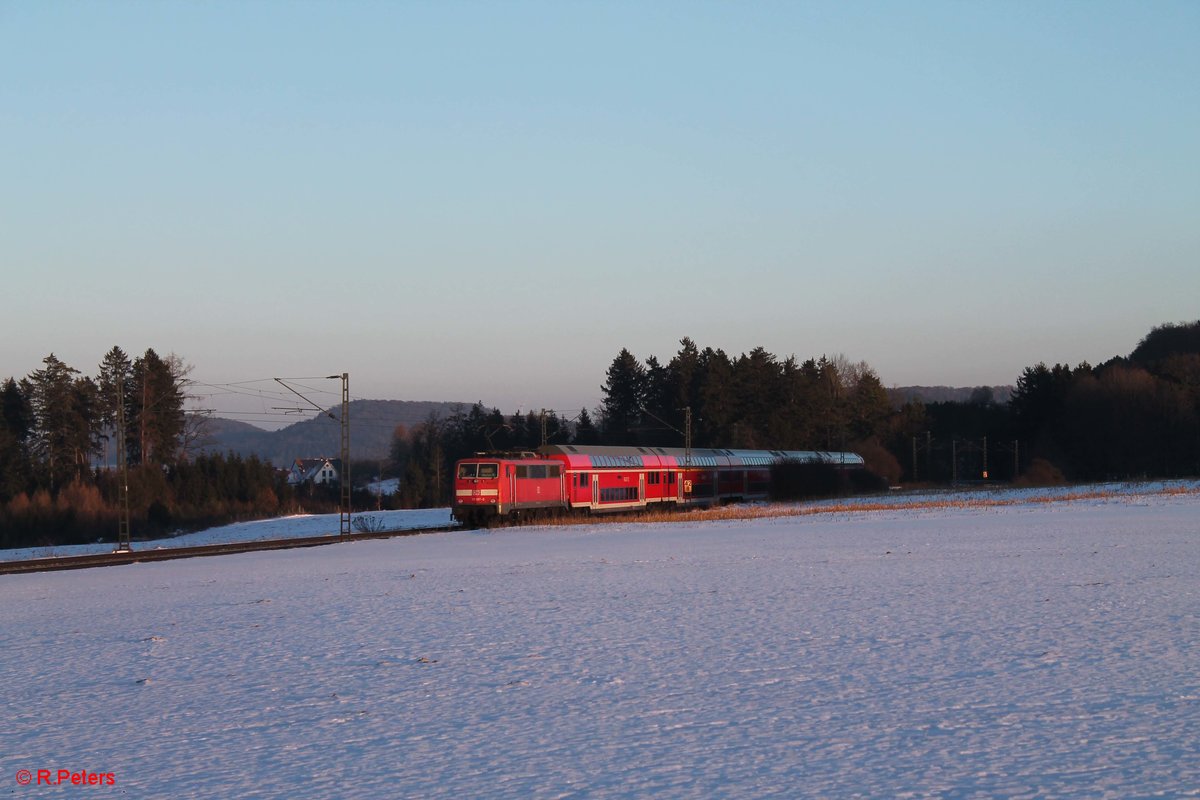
{"points": [[490, 488]]}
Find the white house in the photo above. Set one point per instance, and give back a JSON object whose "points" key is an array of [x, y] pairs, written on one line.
{"points": [[315, 470]]}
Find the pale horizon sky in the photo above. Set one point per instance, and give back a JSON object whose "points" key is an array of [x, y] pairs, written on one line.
{"points": [[487, 201]]}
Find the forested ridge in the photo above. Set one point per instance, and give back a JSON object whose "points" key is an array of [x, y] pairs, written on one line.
{"points": [[1131, 417]]}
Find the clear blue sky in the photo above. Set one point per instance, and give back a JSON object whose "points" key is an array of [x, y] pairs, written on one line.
{"points": [[486, 201]]}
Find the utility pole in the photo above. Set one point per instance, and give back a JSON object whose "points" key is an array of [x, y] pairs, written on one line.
{"points": [[929, 454], [123, 543], [344, 506], [687, 436]]}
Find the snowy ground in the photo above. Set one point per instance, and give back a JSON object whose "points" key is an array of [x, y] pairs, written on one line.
{"points": [[259, 530], [1023, 650], [324, 524]]}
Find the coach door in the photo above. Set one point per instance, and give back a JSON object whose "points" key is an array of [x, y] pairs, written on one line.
{"points": [[595, 489]]}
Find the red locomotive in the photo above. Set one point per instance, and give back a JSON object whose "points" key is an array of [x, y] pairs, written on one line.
{"points": [[593, 479]]}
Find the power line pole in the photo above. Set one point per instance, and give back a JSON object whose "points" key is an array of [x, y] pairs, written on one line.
{"points": [[929, 454], [344, 506], [123, 542], [687, 436]]}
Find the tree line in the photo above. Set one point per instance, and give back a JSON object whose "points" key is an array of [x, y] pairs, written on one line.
{"points": [[1135, 416], [59, 441], [755, 401], [1132, 417]]}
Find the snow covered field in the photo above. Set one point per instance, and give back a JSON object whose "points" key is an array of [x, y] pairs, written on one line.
{"points": [[256, 531], [1022, 650]]}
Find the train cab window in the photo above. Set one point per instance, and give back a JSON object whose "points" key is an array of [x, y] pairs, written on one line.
{"points": [[468, 470], [489, 470]]}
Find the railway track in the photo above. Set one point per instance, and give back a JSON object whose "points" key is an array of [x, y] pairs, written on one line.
{"points": [[169, 553]]}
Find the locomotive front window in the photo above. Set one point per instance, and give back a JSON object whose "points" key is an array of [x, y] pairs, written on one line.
{"points": [[478, 470]]}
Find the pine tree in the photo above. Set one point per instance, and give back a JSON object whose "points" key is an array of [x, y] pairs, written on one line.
{"points": [[585, 431], [717, 412], [113, 384], [427, 479], [16, 425], [831, 396], [157, 423], [659, 407], [757, 389], [64, 416], [869, 407], [624, 397]]}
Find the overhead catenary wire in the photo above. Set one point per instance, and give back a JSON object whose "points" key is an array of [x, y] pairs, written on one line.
{"points": [[215, 397]]}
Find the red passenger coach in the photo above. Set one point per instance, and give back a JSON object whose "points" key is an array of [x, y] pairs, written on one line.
{"points": [[593, 479]]}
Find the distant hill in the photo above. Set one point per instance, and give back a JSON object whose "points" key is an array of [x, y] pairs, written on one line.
{"points": [[372, 423], [947, 394]]}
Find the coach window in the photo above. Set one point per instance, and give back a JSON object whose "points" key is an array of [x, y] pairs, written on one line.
{"points": [[489, 470]]}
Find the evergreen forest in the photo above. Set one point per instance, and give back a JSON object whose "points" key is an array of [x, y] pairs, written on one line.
{"points": [[1135, 416]]}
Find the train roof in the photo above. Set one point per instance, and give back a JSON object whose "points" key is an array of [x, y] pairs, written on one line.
{"points": [[602, 455]]}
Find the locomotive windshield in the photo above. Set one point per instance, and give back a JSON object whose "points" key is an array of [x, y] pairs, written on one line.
{"points": [[476, 470]]}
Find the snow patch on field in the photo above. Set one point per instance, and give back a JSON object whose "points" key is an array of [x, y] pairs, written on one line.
{"points": [[1021, 650]]}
